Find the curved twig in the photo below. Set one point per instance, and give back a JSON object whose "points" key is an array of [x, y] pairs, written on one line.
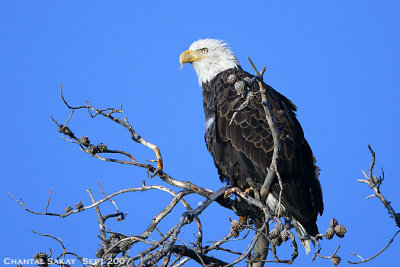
{"points": [[374, 256]]}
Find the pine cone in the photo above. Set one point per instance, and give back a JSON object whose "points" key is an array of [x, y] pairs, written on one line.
{"points": [[340, 230], [102, 147], [92, 150], [333, 223], [67, 209], [330, 232], [274, 233], [239, 87], [99, 253], [232, 78], [276, 241], [84, 141], [285, 235], [125, 245], [236, 227], [336, 260], [41, 259], [65, 130], [79, 205], [60, 128], [247, 80], [114, 238]]}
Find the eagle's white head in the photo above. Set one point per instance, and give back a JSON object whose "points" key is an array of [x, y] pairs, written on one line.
{"points": [[209, 57]]}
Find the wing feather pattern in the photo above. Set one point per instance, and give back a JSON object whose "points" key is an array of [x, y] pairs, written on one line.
{"points": [[244, 147]]}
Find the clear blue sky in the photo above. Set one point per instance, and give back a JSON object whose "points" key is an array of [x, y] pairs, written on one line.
{"points": [[338, 61]]}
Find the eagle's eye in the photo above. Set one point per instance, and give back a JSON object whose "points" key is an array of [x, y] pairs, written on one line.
{"points": [[204, 50]]}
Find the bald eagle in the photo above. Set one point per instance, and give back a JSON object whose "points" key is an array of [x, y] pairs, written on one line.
{"points": [[242, 144]]}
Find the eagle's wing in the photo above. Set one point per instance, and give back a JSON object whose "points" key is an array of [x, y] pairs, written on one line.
{"points": [[243, 147]]}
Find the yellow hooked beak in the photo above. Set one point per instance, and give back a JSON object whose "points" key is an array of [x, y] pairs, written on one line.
{"points": [[189, 56]]}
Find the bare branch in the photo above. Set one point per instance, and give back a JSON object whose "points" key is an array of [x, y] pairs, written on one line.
{"points": [[55, 238], [128, 190], [186, 218], [48, 200], [375, 183], [171, 249], [99, 218], [247, 252], [274, 131], [374, 256], [104, 194], [198, 257]]}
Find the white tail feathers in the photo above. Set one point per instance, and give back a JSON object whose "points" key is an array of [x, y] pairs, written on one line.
{"points": [[301, 233]]}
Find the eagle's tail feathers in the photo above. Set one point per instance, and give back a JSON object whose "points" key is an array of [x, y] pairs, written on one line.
{"points": [[301, 233]]}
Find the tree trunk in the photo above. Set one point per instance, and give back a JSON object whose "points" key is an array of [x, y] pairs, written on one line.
{"points": [[261, 248]]}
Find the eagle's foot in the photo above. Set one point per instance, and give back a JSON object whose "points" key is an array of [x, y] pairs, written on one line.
{"points": [[249, 191], [255, 188], [243, 220]]}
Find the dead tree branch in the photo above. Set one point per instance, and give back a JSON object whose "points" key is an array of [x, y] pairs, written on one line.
{"points": [[170, 249], [273, 168], [42, 259], [374, 256], [375, 183], [198, 257]]}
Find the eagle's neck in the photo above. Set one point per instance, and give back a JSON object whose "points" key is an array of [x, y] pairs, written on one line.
{"points": [[207, 70], [213, 82], [210, 89]]}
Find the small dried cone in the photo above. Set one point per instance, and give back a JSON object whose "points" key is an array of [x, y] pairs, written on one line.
{"points": [[114, 238], [336, 260], [274, 233], [333, 223], [92, 150], [251, 96], [99, 253], [41, 259], [276, 241], [236, 227], [79, 205], [101, 147], [247, 80], [66, 130], [234, 232], [330, 232], [67, 209], [239, 87], [340, 230], [84, 141], [232, 78], [125, 245], [284, 235]]}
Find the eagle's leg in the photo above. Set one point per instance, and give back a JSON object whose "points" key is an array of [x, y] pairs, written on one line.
{"points": [[244, 219]]}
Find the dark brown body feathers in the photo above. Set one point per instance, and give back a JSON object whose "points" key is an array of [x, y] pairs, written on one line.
{"points": [[244, 148]]}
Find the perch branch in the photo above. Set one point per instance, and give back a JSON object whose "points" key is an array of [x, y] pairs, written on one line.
{"points": [[273, 170]]}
